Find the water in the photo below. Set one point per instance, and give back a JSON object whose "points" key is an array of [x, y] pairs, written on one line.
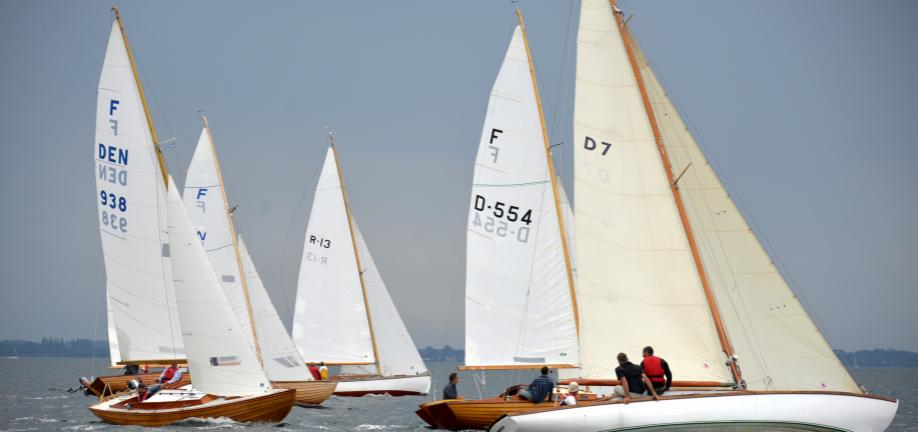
{"points": [[33, 396]]}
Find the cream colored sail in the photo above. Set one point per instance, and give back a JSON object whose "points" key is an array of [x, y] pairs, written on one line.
{"points": [[220, 355], [113, 351], [131, 198], [637, 283], [330, 320], [778, 345], [518, 308]]}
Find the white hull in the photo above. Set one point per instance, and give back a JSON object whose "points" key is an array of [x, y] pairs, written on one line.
{"points": [[770, 411], [395, 386]]}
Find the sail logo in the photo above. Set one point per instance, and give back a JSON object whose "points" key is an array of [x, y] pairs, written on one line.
{"points": [[495, 151], [200, 202], [590, 144]]}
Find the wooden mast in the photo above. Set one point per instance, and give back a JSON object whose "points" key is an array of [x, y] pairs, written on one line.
{"points": [[551, 172], [143, 100], [232, 232], [350, 226], [677, 196]]}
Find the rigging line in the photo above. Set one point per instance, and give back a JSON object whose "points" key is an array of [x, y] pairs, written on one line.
{"points": [[557, 108]]}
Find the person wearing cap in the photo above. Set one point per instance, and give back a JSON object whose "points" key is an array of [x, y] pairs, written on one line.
{"points": [[571, 399]]}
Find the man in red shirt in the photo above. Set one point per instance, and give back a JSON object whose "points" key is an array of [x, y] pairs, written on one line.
{"points": [[657, 370], [315, 371]]}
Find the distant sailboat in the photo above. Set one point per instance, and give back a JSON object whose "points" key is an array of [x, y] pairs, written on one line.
{"points": [[228, 380], [132, 224], [206, 203], [520, 308], [343, 314], [658, 236]]}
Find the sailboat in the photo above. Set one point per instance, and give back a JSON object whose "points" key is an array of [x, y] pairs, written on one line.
{"points": [[659, 236], [343, 314], [521, 307], [143, 324], [207, 204], [141, 210]]}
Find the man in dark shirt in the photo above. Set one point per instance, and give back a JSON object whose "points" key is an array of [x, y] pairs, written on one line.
{"points": [[540, 387], [450, 391], [657, 370], [634, 382]]}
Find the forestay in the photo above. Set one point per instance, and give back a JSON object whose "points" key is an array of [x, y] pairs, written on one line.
{"points": [[637, 283], [397, 353], [143, 323], [778, 345], [518, 305], [330, 320], [220, 356], [281, 360]]}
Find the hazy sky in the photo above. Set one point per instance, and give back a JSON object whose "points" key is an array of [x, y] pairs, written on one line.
{"points": [[806, 107]]}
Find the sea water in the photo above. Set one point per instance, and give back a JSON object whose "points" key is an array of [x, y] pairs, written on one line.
{"points": [[33, 396]]}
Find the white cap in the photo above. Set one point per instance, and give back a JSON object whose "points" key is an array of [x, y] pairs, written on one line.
{"points": [[573, 387]]}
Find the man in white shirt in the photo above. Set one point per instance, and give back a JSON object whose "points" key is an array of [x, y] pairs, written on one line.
{"points": [[571, 399]]}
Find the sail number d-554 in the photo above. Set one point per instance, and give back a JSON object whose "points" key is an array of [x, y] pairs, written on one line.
{"points": [[501, 214]]}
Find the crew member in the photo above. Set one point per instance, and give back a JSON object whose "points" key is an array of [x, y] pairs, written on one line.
{"points": [[171, 375], [314, 371], [539, 388], [571, 399], [634, 382], [323, 370], [657, 370], [450, 391]]}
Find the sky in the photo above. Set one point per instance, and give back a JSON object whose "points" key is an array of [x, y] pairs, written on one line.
{"points": [[806, 108]]}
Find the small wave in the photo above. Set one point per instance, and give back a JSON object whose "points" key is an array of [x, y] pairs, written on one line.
{"points": [[210, 423], [83, 427], [364, 427]]}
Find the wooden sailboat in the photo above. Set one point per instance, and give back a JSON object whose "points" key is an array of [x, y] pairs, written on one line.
{"points": [[148, 239], [207, 205], [343, 314], [658, 236], [521, 308], [132, 225]]}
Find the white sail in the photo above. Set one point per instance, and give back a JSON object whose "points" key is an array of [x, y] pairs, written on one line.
{"points": [[131, 197], [778, 345], [637, 283], [113, 351], [204, 200], [281, 359], [397, 353], [220, 355], [567, 212], [330, 322], [518, 306]]}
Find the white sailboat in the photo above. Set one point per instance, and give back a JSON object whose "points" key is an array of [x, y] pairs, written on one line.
{"points": [[141, 212], [343, 314], [207, 205], [658, 236]]}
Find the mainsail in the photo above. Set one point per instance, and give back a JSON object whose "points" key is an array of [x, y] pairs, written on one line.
{"points": [[637, 283], [205, 202], [131, 195], [220, 355], [330, 321], [777, 342], [518, 306]]}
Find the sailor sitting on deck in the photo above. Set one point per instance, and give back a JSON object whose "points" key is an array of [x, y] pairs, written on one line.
{"points": [[314, 371], [634, 382], [323, 370], [571, 399], [144, 393], [171, 375], [450, 391], [540, 387], [657, 370]]}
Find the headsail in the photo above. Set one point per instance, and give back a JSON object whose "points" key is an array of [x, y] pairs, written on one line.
{"points": [[778, 344], [131, 196], [330, 319], [636, 280], [205, 203], [518, 305], [220, 355]]}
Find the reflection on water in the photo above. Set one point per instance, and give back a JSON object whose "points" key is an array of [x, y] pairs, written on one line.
{"points": [[33, 396]]}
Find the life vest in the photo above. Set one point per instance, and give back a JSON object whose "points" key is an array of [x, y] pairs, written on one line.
{"points": [[653, 368], [169, 373], [315, 372]]}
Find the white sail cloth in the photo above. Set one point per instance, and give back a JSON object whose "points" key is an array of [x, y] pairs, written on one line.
{"points": [[330, 319], [637, 283], [778, 344], [220, 355], [131, 197], [205, 201], [518, 307]]}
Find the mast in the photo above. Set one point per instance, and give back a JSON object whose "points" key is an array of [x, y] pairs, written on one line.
{"points": [[677, 197], [232, 232], [143, 100], [350, 226], [553, 178]]}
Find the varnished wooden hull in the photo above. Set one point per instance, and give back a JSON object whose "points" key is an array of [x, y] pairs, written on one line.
{"points": [[271, 407], [107, 385], [399, 385], [458, 414], [308, 392]]}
